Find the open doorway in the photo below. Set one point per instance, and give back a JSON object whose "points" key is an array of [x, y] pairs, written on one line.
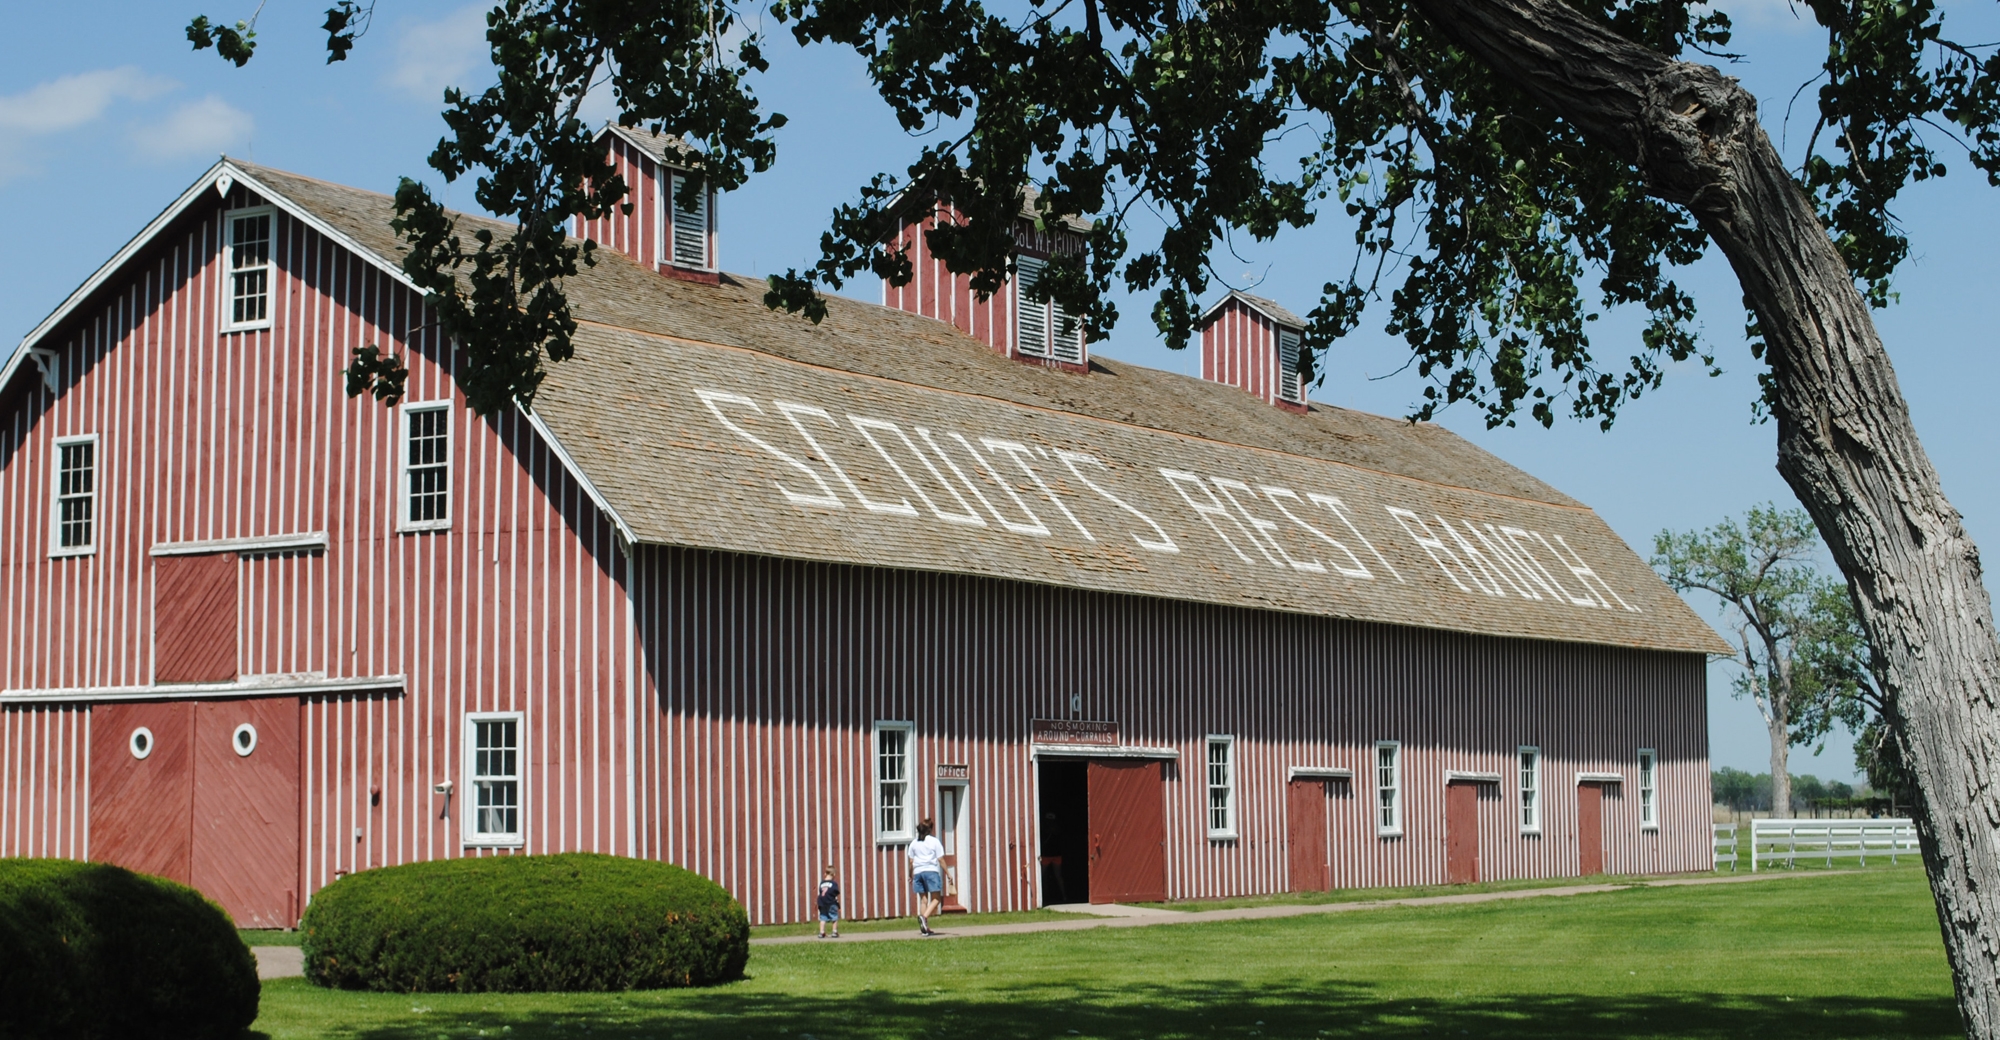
{"points": [[951, 834], [1065, 830]]}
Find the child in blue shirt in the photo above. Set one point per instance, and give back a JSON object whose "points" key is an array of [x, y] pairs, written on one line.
{"points": [[829, 903]]}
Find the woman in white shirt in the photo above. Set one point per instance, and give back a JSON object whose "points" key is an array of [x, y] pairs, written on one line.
{"points": [[926, 874]]}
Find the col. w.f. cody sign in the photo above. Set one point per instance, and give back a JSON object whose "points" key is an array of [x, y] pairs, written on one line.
{"points": [[1075, 733]]}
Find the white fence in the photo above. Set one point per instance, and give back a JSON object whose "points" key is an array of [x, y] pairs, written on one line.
{"points": [[1788, 841]]}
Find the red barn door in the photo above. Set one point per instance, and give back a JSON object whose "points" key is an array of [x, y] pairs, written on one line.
{"points": [[1305, 835], [141, 786], [1461, 833], [1128, 831], [194, 619], [246, 809], [1590, 828]]}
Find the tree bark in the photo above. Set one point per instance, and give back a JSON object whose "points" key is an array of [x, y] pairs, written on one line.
{"points": [[1781, 777], [1845, 441]]}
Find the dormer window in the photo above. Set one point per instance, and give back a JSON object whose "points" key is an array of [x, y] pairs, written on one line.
{"points": [[686, 234], [1257, 346], [1043, 329], [246, 283]]}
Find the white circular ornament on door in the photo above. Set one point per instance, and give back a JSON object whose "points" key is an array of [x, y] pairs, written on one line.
{"points": [[141, 742], [245, 740]]}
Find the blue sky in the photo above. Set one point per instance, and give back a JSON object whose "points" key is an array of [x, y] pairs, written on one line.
{"points": [[98, 134]]}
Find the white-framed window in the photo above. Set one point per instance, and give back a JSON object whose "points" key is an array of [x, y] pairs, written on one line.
{"points": [[1388, 788], [1531, 789], [684, 232], [495, 784], [246, 258], [73, 497], [1290, 387], [425, 451], [1649, 796], [894, 749], [1038, 327], [1221, 785]]}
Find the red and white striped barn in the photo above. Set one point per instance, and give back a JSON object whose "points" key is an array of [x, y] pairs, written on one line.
{"points": [[754, 595]]}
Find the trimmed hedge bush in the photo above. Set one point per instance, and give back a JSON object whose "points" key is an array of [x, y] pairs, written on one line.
{"points": [[521, 924], [91, 951]]}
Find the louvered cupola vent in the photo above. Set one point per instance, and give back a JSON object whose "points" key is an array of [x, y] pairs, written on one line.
{"points": [[1008, 321], [660, 232], [1253, 344]]}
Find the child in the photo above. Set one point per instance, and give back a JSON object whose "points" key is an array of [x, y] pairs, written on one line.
{"points": [[829, 903]]}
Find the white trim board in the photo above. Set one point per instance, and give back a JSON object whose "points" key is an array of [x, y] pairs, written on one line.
{"points": [[1089, 751], [251, 686], [1318, 773], [1462, 776], [1600, 778], [252, 544]]}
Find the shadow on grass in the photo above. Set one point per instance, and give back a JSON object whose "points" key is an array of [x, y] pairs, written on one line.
{"points": [[1197, 1011]]}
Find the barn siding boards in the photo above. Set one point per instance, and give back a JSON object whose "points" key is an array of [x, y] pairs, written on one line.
{"points": [[518, 606], [770, 673]]}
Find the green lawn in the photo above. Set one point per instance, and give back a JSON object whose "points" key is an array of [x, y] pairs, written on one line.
{"points": [[1827, 955]]}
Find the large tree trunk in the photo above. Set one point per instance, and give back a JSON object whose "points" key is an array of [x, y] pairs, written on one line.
{"points": [[1845, 441], [1781, 777]]}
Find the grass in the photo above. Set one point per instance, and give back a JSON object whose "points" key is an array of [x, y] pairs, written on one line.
{"points": [[1809, 956], [268, 937]]}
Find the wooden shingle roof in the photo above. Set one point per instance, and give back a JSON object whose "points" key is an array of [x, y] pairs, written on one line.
{"points": [[702, 418]]}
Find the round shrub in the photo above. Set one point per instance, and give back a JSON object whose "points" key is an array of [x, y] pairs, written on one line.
{"points": [[92, 951], [521, 924]]}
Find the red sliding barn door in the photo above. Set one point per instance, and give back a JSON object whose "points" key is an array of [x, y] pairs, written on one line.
{"points": [[1128, 831], [140, 806], [246, 809], [1590, 828], [1461, 833], [1305, 835], [194, 619]]}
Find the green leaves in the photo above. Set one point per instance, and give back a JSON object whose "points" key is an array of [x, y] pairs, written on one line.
{"points": [[234, 44]]}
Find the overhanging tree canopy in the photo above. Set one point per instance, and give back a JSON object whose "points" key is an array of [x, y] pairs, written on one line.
{"points": [[1511, 166]]}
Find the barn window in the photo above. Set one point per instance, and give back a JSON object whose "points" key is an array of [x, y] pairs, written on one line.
{"points": [[893, 769], [1290, 386], [74, 516], [1221, 786], [1649, 801], [493, 774], [247, 281], [686, 230], [1388, 788], [426, 466], [1531, 790], [1039, 329]]}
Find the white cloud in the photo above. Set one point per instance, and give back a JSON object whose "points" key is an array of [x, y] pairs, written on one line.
{"points": [[204, 127], [431, 56], [71, 101]]}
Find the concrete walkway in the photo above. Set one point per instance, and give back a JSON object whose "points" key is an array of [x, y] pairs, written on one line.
{"points": [[279, 962], [283, 962], [1115, 916]]}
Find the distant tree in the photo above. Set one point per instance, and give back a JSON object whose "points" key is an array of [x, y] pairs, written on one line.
{"points": [[1733, 787], [1802, 660]]}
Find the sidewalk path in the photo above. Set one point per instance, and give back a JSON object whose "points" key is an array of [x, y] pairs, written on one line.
{"points": [[1145, 917], [279, 962]]}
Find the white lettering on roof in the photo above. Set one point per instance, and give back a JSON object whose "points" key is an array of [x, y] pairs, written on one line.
{"points": [[1479, 557]]}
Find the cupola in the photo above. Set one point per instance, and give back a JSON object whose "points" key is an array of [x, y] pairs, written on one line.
{"points": [[1006, 321], [1252, 344], [660, 232]]}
